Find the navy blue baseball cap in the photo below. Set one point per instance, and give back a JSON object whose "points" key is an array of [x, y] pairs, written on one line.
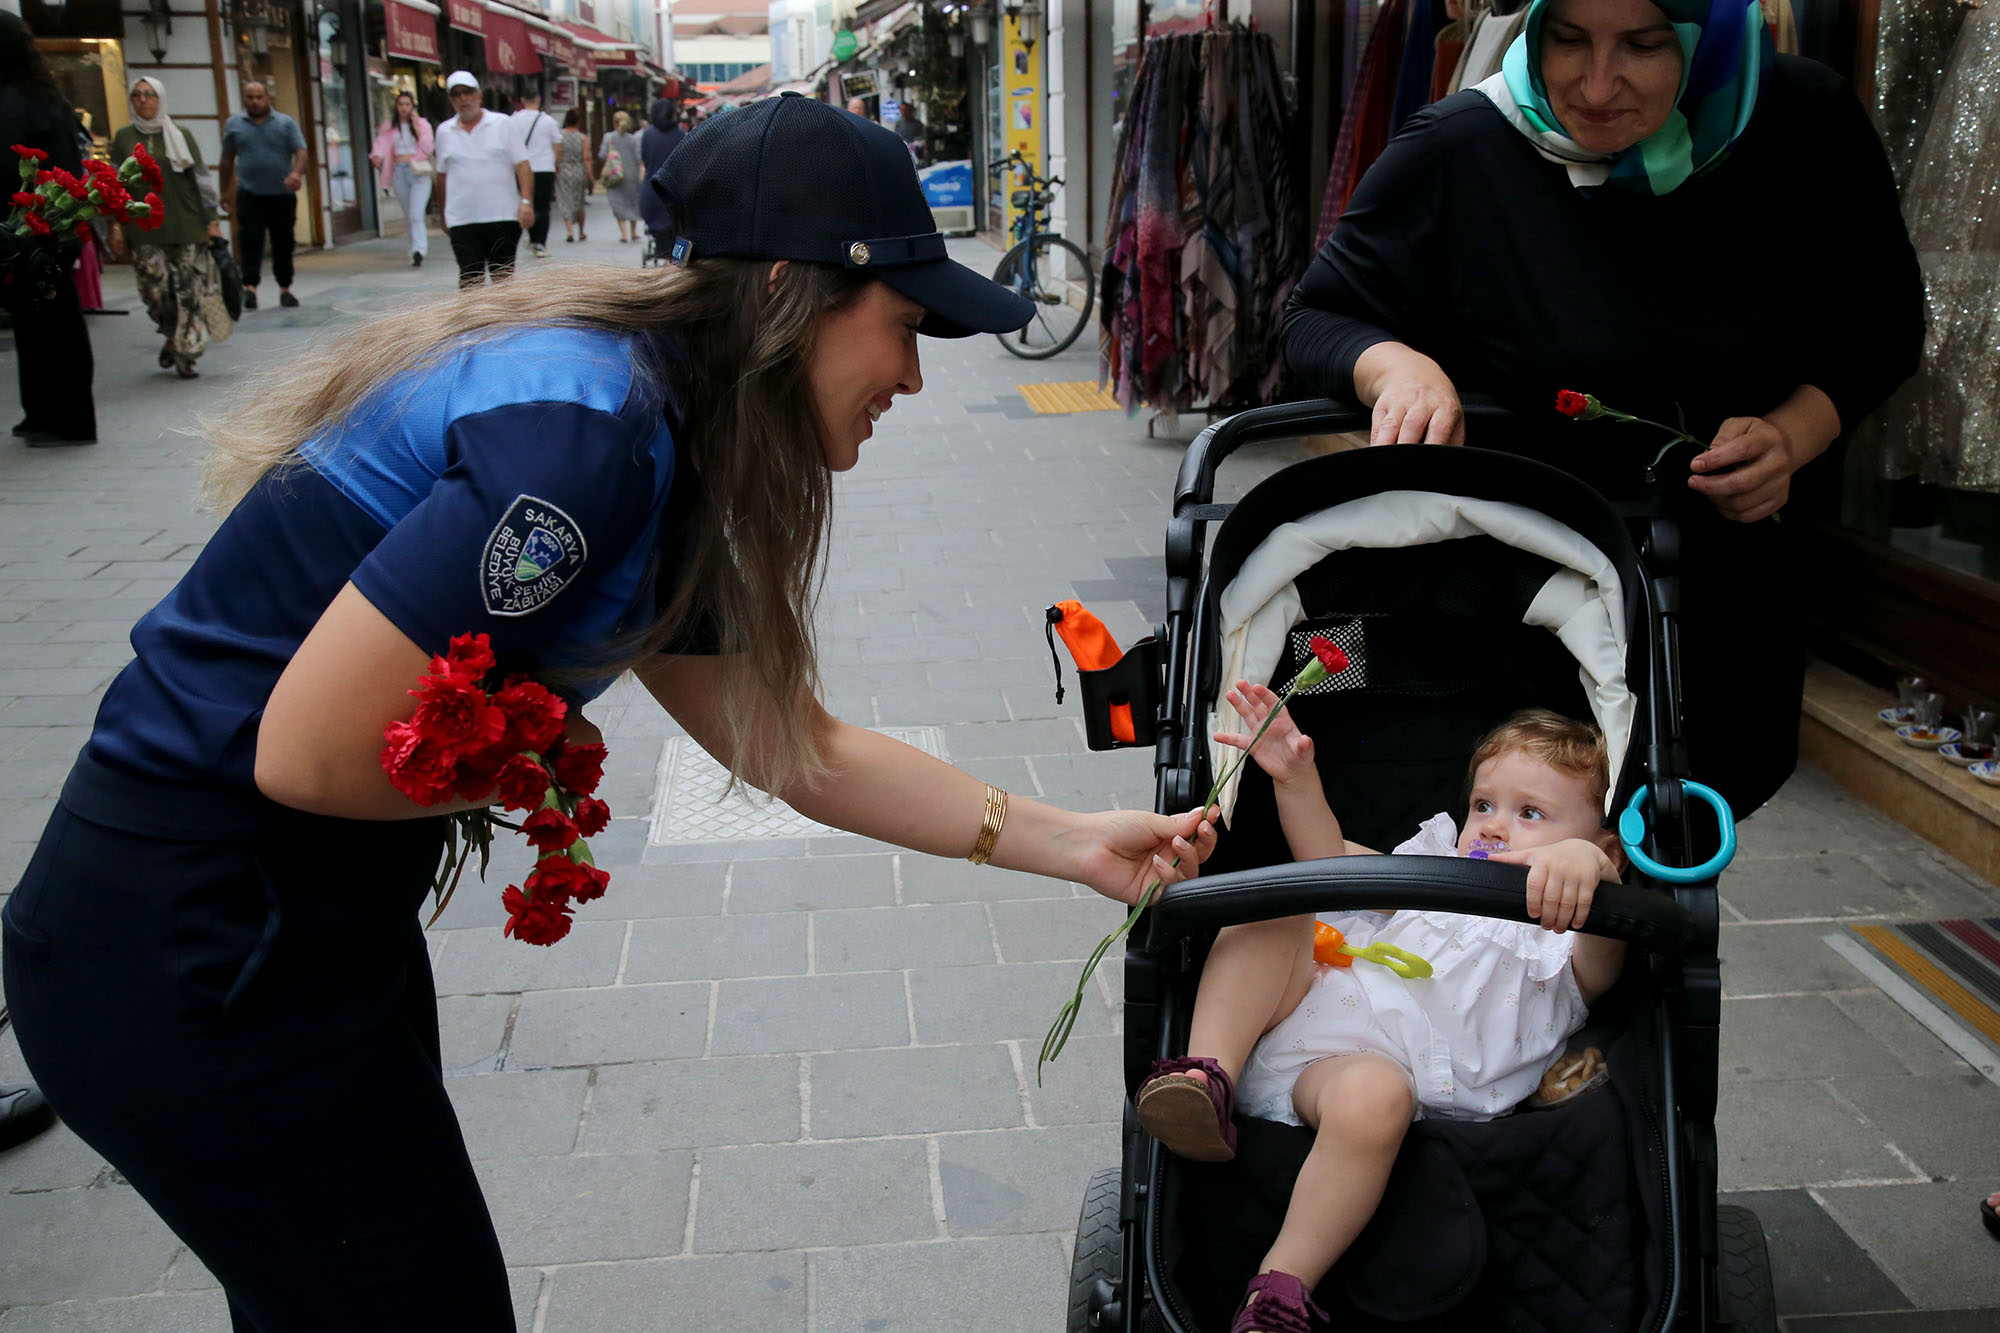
{"points": [[794, 178]]}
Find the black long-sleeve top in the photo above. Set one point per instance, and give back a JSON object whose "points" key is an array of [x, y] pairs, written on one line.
{"points": [[1787, 265]]}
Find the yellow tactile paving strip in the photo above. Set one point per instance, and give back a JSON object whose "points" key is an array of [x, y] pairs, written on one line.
{"points": [[1071, 396], [1932, 978]]}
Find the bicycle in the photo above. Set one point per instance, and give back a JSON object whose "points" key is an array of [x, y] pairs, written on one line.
{"points": [[1042, 267]]}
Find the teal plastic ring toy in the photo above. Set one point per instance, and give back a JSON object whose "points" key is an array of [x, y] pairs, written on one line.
{"points": [[1632, 832]]}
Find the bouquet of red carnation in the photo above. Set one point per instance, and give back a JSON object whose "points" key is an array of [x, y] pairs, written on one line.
{"points": [[478, 738], [59, 203]]}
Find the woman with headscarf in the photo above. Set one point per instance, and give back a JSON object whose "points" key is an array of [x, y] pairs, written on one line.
{"points": [[1649, 205], [663, 134], [172, 262]]}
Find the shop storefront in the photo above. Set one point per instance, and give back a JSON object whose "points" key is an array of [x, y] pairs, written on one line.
{"points": [[85, 51], [412, 56]]}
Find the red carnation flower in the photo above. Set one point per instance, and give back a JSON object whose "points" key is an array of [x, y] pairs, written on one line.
{"points": [[562, 879], [592, 886], [149, 169], [578, 767], [471, 654], [592, 816], [75, 188], [534, 716], [156, 213], [549, 830], [523, 785], [44, 177], [32, 154], [27, 201], [534, 920], [455, 712], [1329, 654], [418, 766], [1571, 403], [37, 226]]}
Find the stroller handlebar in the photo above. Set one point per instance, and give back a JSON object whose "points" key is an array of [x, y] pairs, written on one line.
{"points": [[1646, 917]]}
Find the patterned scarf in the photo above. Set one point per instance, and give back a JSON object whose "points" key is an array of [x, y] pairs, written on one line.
{"points": [[1726, 53]]}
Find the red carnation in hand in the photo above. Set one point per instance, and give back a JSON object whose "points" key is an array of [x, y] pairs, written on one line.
{"points": [[76, 188], [44, 177], [560, 877], [455, 712], [1571, 403], [534, 920], [32, 154], [149, 170], [549, 830], [471, 654], [523, 783], [27, 201], [592, 886], [156, 214], [534, 716], [418, 766], [592, 816], [1329, 654], [579, 767], [37, 225]]}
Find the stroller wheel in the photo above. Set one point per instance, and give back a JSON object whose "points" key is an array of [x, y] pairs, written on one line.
{"points": [[1745, 1301], [1100, 1247]]}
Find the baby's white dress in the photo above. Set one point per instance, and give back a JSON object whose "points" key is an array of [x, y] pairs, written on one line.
{"points": [[1474, 1037]]}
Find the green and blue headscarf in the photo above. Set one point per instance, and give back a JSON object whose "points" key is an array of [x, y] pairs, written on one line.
{"points": [[1726, 54]]}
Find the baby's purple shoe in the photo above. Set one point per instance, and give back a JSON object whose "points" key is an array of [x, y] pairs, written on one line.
{"points": [[1277, 1302], [1191, 1118]]}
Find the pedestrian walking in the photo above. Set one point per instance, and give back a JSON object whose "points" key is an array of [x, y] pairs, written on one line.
{"points": [[263, 166], [172, 262], [51, 340], [573, 175], [620, 156], [404, 157], [214, 958], [539, 134], [483, 166], [662, 135]]}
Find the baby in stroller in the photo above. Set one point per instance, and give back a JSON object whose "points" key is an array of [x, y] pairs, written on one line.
{"points": [[1356, 1053]]}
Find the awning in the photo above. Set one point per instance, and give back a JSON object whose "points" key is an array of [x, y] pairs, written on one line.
{"points": [[508, 50], [466, 15], [411, 31]]}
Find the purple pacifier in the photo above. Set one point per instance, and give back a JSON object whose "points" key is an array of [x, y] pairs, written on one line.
{"points": [[1483, 848]]}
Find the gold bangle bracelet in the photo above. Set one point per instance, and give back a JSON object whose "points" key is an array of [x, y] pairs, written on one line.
{"points": [[989, 831]]}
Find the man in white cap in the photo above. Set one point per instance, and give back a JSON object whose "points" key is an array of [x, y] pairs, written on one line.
{"points": [[489, 191]]}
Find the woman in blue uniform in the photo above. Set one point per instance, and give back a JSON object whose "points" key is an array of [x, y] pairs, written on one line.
{"points": [[213, 959]]}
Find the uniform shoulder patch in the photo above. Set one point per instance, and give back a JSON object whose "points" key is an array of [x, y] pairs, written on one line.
{"points": [[535, 551]]}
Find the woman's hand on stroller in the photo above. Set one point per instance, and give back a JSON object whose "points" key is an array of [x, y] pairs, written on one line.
{"points": [[1562, 880], [1286, 753], [1133, 849]]}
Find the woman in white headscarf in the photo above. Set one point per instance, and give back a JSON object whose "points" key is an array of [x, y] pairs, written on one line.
{"points": [[172, 262]]}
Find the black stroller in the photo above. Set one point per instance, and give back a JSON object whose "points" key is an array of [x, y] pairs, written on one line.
{"points": [[1494, 583]]}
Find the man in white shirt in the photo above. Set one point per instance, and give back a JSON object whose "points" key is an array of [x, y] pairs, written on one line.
{"points": [[539, 131], [483, 167]]}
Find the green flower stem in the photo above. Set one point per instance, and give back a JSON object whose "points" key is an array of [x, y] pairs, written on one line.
{"points": [[1058, 1035], [1674, 436]]}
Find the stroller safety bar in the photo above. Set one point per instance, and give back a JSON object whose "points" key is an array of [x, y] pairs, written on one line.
{"points": [[1420, 883]]}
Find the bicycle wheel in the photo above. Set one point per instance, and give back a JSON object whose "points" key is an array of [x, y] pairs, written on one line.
{"points": [[1057, 277]]}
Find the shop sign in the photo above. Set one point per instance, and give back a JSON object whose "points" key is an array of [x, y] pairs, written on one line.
{"points": [[614, 59], [412, 34], [565, 49], [466, 15], [845, 44], [539, 39], [584, 65], [507, 48], [860, 84], [892, 111], [1022, 65]]}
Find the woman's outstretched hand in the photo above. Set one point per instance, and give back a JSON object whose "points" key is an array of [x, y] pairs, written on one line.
{"points": [[1131, 849]]}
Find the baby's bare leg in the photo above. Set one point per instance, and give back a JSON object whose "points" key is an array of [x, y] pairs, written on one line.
{"points": [[1256, 974], [1360, 1106]]}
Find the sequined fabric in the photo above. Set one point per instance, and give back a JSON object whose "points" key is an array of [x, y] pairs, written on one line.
{"points": [[1912, 48], [1944, 425]]}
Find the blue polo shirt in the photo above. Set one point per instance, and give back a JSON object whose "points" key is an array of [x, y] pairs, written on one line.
{"points": [[523, 487], [263, 150]]}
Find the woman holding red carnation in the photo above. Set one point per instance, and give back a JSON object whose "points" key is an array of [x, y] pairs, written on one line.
{"points": [[1649, 205], [214, 960], [171, 258]]}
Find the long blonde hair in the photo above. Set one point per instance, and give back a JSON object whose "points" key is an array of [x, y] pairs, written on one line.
{"points": [[621, 122], [751, 433]]}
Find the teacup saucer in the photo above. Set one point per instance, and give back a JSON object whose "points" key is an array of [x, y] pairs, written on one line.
{"points": [[1896, 717], [1987, 771], [1956, 752], [1928, 738]]}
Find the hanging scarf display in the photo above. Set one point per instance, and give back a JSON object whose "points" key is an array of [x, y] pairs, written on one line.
{"points": [[1206, 235]]}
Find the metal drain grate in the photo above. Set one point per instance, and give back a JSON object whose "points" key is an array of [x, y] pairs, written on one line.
{"points": [[688, 805]]}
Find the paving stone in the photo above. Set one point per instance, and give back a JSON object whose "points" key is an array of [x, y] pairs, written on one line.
{"points": [[1912, 1047], [1811, 887], [55, 1159], [1815, 1266], [1939, 1267], [472, 1029], [1061, 928], [852, 1012], [610, 1025], [914, 1090], [531, 1114], [694, 1104], [1901, 1321], [1021, 1180], [1924, 1118], [204, 1312], [1084, 1085], [79, 1243], [1937, 887], [1795, 1134], [704, 948], [806, 885], [934, 879], [1011, 1002], [1781, 960], [722, 1293], [556, 1210], [1794, 1038], [813, 1194], [879, 939], [482, 961], [1002, 1284], [981, 740]]}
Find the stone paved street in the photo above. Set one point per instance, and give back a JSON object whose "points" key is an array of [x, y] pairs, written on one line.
{"points": [[783, 1080]]}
